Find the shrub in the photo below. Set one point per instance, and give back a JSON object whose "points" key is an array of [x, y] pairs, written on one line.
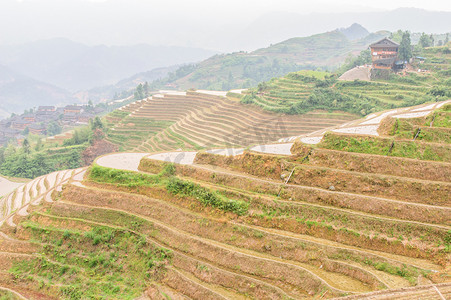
{"points": [[206, 196]]}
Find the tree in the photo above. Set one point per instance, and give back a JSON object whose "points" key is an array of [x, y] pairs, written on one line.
{"points": [[96, 123], [396, 36], [146, 89], [139, 93], [431, 39], [446, 39], [405, 47], [38, 145], [26, 146], [425, 41], [53, 128], [2, 155]]}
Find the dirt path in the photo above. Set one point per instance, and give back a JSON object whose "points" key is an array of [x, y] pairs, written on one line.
{"points": [[122, 161], [418, 292], [370, 123]]}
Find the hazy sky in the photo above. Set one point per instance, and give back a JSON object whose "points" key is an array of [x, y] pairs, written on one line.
{"points": [[170, 22]]}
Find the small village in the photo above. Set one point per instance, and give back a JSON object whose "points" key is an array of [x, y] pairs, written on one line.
{"points": [[46, 120]]}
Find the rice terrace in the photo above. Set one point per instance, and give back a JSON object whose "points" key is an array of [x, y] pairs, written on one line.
{"points": [[325, 182]]}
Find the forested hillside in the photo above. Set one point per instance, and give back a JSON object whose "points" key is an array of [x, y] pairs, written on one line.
{"points": [[242, 69]]}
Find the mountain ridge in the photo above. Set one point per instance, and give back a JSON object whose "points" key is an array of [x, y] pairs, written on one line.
{"points": [[75, 66]]}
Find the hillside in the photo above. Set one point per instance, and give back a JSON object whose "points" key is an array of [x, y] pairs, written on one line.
{"points": [[336, 219], [241, 69], [303, 91], [125, 85], [202, 120]]}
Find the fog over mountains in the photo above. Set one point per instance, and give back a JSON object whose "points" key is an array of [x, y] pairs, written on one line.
{"points": [[75, 66], [226, 26]]}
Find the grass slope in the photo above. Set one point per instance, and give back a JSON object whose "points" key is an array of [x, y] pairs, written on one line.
{"points": [[303, 91], [198, 121], [223, 72]]}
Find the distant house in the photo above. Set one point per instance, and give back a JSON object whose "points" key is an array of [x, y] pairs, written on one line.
{"points": [[70, 118], [72, 109], [384, 54], [85, 117], [46, 108], [29, 117], [20, 124], [98, 110], [10, 133], [37, 129]]}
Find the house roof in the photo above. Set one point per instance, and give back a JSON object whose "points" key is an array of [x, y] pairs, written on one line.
{"points": [[385, 42], [37, 126], [22, 122], [10, 131], [73, 107], [46, 107]]}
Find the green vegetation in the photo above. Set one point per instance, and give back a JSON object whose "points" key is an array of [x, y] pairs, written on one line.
{"points": [[386, 146], [205, 196], [405, 47], [142, 91], [434, 128], [167, 180], [304, 91], [101, 263], [122, 178], [32, 161], [243, 70], [7, 295], [127, 132], [301, 92], [363, 58]]}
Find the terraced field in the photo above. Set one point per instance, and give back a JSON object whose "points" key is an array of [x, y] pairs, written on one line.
{"points": [[199, 120], [299, 92], [325, 221]]}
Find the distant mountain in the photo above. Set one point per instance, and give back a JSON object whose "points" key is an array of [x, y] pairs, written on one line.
{"points": [[278, 26], [19, 92], [241, 69], [75, 66], [355, 32], [108, 91]]}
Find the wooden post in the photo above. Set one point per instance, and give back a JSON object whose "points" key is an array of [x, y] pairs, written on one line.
{"points": [[416, 135], [433, 118], [286, 181], [391, 147]]}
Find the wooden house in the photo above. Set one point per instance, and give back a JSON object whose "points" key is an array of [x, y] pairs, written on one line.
{"points": [[384, 54], [29, 117], [20, 124], [37, 129], [69, 109]]}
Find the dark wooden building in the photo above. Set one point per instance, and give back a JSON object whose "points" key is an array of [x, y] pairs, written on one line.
{"points": [[384, 54], [69, 109]]}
